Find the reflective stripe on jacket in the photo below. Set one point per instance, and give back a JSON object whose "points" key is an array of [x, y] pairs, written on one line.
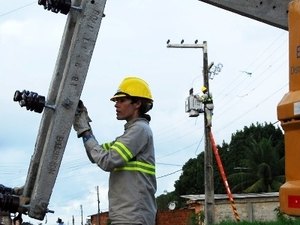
{"points": [[130, 159]]}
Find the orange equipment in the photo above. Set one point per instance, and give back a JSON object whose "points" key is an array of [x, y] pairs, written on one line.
{"points": [[223, 175], [288, 112]]}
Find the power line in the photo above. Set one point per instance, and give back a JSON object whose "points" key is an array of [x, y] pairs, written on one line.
{"points": [[238, 83], [265, 75], [169, 174], [251, 109], [168, 164], [16, 9], [179, 150]]}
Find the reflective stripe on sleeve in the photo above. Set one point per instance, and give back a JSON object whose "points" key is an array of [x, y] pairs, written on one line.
{"points": [[138, 166], [107, 146], [122, 150]]}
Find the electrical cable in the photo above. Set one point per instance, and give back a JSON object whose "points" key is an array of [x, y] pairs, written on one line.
{"points": [[230, 105], [250, 109], [227, 88], [169, 174], [16, 9], [227, 105]]}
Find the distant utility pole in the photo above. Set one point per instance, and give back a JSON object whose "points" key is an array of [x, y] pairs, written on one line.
{"points": [[209, 209], [98, 204], [81, 212]]}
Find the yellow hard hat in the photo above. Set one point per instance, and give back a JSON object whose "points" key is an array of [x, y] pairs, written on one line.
{"points": [[134, 87], [203, 89]]}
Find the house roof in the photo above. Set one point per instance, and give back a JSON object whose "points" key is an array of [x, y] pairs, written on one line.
{"points": [[201, 197]]}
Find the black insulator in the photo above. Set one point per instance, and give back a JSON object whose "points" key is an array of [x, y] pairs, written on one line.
{"points": [[5, 190], [56, 6], [18, 96], [65, 7], [31, 100], [9, 203]]}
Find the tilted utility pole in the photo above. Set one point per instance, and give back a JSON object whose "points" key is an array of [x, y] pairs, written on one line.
{"points": [[209, 209], [72, 65], [70, 72]]}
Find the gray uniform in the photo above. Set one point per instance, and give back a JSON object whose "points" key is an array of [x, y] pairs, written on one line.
{"points": [[130, 160], [207, 100]]}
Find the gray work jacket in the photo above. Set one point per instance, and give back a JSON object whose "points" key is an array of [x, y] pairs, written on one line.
{"points": [[130, 159]]}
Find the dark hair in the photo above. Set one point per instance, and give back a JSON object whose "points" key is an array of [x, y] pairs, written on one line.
{"points": [[146, 105]]}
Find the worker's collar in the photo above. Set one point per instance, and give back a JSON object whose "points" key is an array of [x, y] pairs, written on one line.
{"points": [[129, 123]]}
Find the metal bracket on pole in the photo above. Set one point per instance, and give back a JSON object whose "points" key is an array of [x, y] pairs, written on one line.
{"points": [[75, 53], [182, 45]]}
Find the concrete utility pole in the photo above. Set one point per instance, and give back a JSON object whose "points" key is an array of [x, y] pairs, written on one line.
{"points": [[74, 57], [98, 204], [208, 162], [81, 213]]}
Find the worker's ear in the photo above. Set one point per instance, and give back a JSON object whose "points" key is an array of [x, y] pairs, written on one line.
{"points": [[138, 103]]}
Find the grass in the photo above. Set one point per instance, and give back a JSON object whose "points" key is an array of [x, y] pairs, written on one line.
{"points": [[279, 222]]}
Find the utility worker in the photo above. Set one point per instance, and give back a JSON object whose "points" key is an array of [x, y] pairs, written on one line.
{"points": [[207, 100], [129, 158]]}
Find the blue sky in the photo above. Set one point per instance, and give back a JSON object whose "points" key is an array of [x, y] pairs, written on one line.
{"points": [[132, 41]]}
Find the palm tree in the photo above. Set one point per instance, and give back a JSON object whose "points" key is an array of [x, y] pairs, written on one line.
{"points": [[264, 169]]}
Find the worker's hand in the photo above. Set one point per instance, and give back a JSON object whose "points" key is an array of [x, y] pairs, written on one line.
{"points": [[18, 190], [81, 120]]}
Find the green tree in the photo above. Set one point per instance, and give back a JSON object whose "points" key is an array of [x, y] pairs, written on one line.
{"points": [[262, 156], [254, 144], [253, 162], [192, 177], [264, 168], [164, 200]]}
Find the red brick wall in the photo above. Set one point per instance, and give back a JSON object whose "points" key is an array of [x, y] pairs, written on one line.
{"points": [[177, 216], [103, 219]]}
